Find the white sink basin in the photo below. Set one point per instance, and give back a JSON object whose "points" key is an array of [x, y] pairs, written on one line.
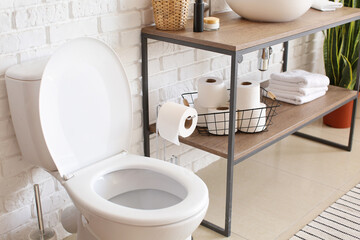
{"points": [[270, 10]]}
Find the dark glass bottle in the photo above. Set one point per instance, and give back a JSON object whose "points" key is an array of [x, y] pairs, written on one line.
{"points": [[199, 16]]}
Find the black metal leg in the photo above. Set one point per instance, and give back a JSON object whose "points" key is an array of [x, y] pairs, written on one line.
{"points": [[145, 92], [357, 86], [236, 58], [323, 141], [347, 147], [352, 128], [213, 227]]}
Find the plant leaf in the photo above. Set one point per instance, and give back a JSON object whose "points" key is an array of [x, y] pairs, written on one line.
{"points": [[341, 51], [347, 74]]}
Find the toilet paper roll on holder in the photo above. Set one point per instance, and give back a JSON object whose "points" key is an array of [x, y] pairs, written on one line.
{"points": [[189, 118]]}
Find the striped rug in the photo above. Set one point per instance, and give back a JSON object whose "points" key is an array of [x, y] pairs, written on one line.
{"points": [[339, 221]]}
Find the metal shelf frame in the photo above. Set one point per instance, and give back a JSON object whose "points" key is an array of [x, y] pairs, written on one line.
{"points": [[236, 58]]}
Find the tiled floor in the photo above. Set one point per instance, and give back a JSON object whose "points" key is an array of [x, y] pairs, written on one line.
{"points": [[279, 190]]}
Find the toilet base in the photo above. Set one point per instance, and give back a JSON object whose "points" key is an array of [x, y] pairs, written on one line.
{"points": [[71, 220], [72, 223], [83, 233], [86, 235]]}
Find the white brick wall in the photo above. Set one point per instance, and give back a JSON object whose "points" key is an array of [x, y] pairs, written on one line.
{"points": [[5, 21], [14, 219], [85, 8], [41, 15], [121, 21], [6, 61], [31, 29], [68, 30]]}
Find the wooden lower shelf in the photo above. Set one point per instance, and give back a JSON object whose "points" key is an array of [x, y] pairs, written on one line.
{"points": [[290, 118]]}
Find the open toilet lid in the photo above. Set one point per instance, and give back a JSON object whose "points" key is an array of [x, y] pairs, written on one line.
{"points": [[85, 105]]}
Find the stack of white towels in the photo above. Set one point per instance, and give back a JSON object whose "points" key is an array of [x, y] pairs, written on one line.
{"points": [[298, 86], [325, 5]]}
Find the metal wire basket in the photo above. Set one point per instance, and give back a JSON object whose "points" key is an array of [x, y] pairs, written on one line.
{"points": [[247, 121]]}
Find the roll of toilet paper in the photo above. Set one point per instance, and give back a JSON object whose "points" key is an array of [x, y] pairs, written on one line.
{"points": [[252, 121], [176, 120], [218, 121], [211, 92], [200, 110], [248, 95]]}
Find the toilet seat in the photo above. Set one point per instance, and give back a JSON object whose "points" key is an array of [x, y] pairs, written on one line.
{"points": [[81, 189], [84, 105]]}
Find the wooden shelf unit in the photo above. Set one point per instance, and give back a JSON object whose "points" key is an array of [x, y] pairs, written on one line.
{"points": [[236, 37], [238, 34], [290, 118]]}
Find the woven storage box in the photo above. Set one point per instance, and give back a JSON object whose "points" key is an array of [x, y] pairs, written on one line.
{"points": [[170, 14]]}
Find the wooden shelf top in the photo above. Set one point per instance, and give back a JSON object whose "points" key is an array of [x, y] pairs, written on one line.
{"points": [[289, 119], [238, 34]]}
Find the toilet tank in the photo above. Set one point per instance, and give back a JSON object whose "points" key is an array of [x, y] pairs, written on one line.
{"points": [[23, 85]]}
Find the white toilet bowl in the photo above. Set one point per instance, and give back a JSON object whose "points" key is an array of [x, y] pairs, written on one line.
{"points": [[136, 197], [85, 114]]}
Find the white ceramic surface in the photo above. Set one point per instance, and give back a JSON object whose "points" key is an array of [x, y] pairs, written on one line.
{"points": [[270, 10], [28, 71], [111, 177], [85, 105], [23, 84]]}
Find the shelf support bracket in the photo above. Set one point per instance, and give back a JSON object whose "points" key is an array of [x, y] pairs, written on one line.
{"points": [[239, 58]]}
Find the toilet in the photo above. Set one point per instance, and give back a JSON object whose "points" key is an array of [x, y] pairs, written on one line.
{"points": [[72, 115]]}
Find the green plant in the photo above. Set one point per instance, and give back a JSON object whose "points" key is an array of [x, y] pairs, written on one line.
{"points": [[341, 51]]}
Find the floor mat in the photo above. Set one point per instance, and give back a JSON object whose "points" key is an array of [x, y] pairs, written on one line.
{"points": [[339, 221]]}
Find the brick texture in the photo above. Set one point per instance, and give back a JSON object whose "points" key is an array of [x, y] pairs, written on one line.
{"points": [[86, 8], [41, 15], [71, 30], [5, 21]]}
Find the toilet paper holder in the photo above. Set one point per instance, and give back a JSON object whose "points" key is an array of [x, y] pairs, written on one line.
{"points": [[173, 159], [251, 120], [186, 103], [157, 137]]}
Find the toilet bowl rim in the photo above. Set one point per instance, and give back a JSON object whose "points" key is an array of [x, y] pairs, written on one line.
{"points": [[80, 189]]}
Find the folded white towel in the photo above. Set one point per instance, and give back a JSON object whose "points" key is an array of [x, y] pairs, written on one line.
{"points": [[325, 5], [294, 85], [298, 91], [297, 100], [300, 78]]}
